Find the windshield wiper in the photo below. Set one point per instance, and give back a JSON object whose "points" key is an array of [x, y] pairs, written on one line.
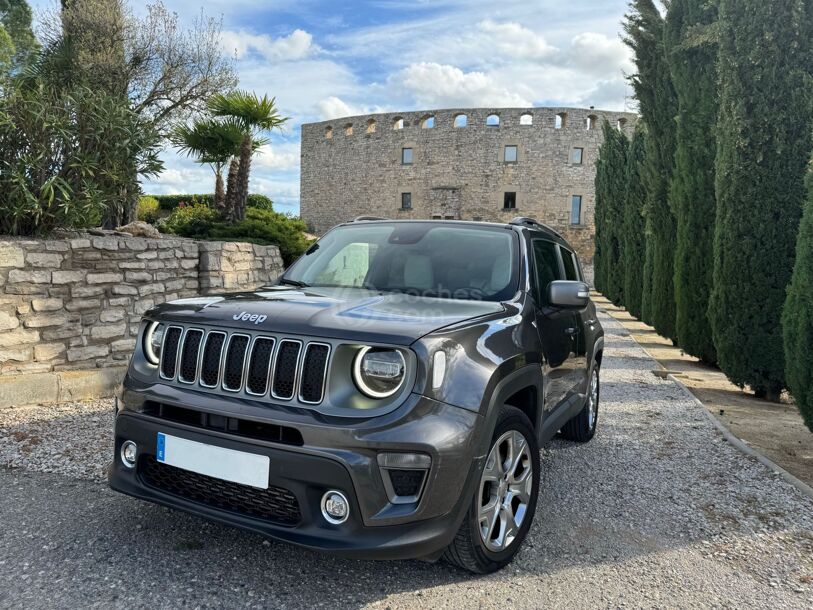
{"points": [[296, 283]]}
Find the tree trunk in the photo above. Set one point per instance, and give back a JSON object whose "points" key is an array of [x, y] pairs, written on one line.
{"points": [[231, 188], [220, 193], [246, 151]]}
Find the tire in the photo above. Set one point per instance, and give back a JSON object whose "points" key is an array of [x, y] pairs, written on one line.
{"points": [[583, 427], [469, 550]]}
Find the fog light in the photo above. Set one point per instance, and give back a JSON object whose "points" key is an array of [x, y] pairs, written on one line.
{"points": [[335, 508], [129, 451]]}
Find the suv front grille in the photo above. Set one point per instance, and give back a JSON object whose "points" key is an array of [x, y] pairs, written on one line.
{"points": [[275, 504], [285, 368]]}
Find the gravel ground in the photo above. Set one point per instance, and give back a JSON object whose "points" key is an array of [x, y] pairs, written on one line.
{"points": [[657, 511]]}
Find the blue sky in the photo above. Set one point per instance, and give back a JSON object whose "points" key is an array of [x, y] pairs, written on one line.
{"points": [[326, 59]]}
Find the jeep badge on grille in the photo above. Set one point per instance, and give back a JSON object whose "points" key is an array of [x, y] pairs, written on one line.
{"points": [[250, 317]]}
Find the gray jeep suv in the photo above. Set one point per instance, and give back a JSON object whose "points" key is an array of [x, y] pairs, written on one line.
{"points": [[385, 399]]}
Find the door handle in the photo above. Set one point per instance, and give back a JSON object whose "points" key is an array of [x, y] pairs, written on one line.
{"points": [[571, 331], [590, 322]]}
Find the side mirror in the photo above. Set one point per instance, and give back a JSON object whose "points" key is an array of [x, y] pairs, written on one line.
{"points": [[568, 294]]}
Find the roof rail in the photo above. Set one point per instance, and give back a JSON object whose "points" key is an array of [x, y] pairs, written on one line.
{"points": [[533, 222], [363, 218]]}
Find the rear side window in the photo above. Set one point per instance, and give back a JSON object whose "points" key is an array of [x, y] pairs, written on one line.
{"points": [[546, 265], [571, 268]]}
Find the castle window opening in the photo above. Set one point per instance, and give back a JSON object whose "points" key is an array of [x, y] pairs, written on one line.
{"points": [[397, 123], [510, 154], [461, 120], [576, 156], [371, 126], [406, 156], [621, 124], [406, 201], [348, 129], [509, 201], [493, 120], [560, 122], [328, 132], [591, 122], [428, 122], [526, 119], [576, 210]]}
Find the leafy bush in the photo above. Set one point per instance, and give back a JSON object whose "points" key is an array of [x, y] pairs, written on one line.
{"points": [[191, 221], [170, 202], [147, 209], [52, 178], [263, 227]]}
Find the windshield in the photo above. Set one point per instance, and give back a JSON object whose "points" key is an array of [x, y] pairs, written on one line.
{"points": [[421, 259]]}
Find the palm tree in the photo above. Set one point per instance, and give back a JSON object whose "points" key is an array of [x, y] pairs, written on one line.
{"points": [[254, 116], [213, 143]]}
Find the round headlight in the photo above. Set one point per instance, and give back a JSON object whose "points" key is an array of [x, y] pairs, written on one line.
{"points": [[153, 339], [379, 371]]}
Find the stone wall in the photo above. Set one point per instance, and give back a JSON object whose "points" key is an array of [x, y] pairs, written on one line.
{"points": [[353, 166], [76, 303]]}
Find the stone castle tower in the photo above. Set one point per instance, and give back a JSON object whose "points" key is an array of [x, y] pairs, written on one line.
{"points": [[488, 164]]}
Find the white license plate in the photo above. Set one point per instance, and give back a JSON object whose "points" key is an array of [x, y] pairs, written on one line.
{"points": [[218, 462]]}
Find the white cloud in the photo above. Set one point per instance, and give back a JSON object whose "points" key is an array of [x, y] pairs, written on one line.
{"points": [[514, 41], [438, 85], [596, 54], [297, 45], [277, 157]]}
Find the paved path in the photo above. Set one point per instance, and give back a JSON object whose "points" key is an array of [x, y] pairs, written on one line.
{"points": [[657, 511]]}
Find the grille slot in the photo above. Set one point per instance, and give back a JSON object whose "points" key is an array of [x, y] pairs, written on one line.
{"points": [[169, 353], [189, 356], [210, 367], [314, 372], [259, 368], [275, 504], [235, 363], [285, 371]]}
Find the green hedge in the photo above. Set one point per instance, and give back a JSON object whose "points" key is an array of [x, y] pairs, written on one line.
{"points": [[264, 227], [170, 202]]}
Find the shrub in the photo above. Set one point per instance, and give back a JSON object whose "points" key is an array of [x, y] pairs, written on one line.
{"points": [[170, 202], [263, 227], [147, 209], [195, 220]]}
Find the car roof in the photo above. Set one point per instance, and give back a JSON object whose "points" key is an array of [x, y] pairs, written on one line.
{"points": [[516, 224]]}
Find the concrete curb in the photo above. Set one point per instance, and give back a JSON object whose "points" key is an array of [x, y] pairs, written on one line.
{"points": [[61, 386], [742, 446]]}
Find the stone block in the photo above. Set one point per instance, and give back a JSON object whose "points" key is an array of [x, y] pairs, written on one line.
{"points": [[78, 244], [28, 389], [47, 304], [76, 354], [104, 278], [16, 354], [142, 306], [108, 331], [123, 345], [124, 289], [138, 276], [18, 336], [68, 277], [106, 243], [120, 302], [18, 276], [132, 265], [189, 263], [45, 320], [86, 291], [11, 255], [48, 351], [63, 332], [111, 315], [83, 304], [148, 289], [149, 254], [90, 384], [49, 260], [8, 321]]}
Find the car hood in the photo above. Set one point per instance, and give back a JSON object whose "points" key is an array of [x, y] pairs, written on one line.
{"points": [[339, 313]]}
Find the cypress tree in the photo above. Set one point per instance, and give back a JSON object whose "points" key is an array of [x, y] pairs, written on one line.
{"points": [[797, 318], [610, 190], [633, 238], [599, 280], [644, 28], [763, 144], [692, 52]]}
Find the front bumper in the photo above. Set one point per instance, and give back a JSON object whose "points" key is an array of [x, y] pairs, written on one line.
{"points": [[333, 455]]}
